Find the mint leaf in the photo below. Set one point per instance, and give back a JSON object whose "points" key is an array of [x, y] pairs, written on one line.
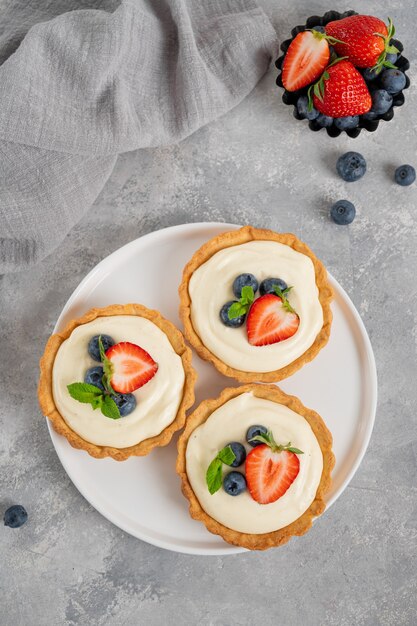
{"points": [[83, 392], [246, 295], [236, 310], [109, 408], [226, 455], [214, 475]]}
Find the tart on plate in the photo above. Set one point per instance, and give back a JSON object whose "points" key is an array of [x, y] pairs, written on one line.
{"points": [[255, 465], [256, 304], [117, 381]]}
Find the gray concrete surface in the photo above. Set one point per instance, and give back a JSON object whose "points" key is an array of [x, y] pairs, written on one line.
{"points": [[357, 567]]}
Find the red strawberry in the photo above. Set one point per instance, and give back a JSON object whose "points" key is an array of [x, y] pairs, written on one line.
{"points": [[131, 366], [341, 91], [366, 39], [271, 469], [271, 319], [306, 58]]}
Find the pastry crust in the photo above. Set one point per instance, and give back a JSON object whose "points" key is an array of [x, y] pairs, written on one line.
{"points": [[235, 238], [46, 398], [300, 525]]}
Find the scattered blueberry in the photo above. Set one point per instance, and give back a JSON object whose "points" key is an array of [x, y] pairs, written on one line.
{"points": [[370, 74], [391, 57], [15, 516], [93, 376], [351, 166], [302, 108], [324, 120], [239, 452], [405, 175], [93, 348], [344, 123], [381, 101], [343, 212], [126, 403], [267, 285], [393, 80], [224, 316], [254, 431], [244, 280], [319, 29], [234, 483]]}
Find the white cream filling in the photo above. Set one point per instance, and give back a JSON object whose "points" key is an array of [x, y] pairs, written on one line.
{"points": [[211, 286], [230, 423], [157, 401]]}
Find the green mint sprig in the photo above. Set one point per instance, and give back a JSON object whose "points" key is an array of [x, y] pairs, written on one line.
{"points": [[90, 394], [241, 307], [214, 470], [269, 440]]}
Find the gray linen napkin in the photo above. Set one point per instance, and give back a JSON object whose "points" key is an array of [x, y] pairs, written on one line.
{"points": [[80, 87]]}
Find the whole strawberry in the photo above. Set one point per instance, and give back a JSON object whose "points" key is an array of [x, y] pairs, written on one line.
{"points": [[363, 39], [341, 91]]}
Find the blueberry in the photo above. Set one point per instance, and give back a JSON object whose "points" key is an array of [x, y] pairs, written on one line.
{"points": [[343, 123], [93, 376], [405, 175], [351, 166], [391, 57], [240, 453], [319, 29], [244, 280], [126, 403], [381, 101], [343, 212], [324, 120], [15, 516], [302, 108], [370, 74], [371, 115], [397, 44], [254, 431], [93, 348], [234, 483], [267, 285], [393, 80], [224, 316]]}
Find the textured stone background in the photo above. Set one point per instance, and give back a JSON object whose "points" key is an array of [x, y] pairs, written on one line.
{"points": [[68, 565]]}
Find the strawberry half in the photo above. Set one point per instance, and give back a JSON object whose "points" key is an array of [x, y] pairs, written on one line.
{"points": [[341, 91], [131, 366], [271, 469], [271, 319], [306, 58], [365, 40]]}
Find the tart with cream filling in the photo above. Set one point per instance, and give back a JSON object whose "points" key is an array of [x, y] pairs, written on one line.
{"points": [[256, 303], [117, 381], [255, 465]]}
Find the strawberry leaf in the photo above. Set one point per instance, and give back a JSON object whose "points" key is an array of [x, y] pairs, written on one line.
{"points": [[268, 439], [107, 368]]}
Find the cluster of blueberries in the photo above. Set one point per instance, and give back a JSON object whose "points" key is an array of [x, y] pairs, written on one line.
{"points": [[126, 402], [248, 280], [234, 483], [351, 166], [385, 87]]}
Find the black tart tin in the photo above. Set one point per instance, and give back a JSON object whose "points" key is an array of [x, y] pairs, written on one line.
{"points": [[291, 97]]}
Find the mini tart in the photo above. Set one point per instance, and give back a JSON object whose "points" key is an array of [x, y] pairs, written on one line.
{"points": [[143, 447], [303, 523], [246, 235]]}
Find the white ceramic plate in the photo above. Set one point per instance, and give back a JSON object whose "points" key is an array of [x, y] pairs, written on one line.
{"points": [[142, 495]]}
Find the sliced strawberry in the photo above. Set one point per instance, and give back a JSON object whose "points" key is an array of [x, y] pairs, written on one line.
{"points": [[131, 366], [306, 58], [271, 319], [269, 474]]}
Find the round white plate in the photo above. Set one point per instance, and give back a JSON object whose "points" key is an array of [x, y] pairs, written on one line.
{"points": [[142, 495]]}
